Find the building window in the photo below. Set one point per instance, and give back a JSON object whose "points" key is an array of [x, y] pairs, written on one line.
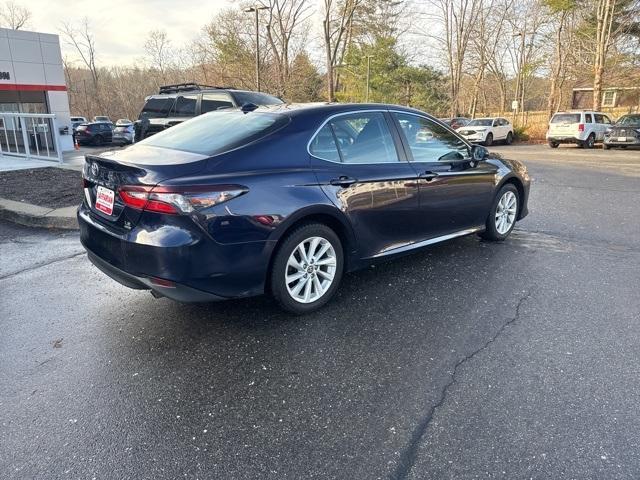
{"points": [[609, 98]]}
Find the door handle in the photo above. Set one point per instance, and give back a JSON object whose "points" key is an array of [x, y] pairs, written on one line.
{"points": [[343, 181], [428, 175]]}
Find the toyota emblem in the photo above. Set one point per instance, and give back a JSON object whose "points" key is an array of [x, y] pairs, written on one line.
{"points": [[95, 169]]}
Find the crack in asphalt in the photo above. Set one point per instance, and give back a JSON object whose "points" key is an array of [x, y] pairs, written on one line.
{"points": [[40, 265], [410, 454]]}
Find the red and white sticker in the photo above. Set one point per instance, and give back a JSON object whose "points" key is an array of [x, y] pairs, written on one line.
{"points": [[104, 200]]}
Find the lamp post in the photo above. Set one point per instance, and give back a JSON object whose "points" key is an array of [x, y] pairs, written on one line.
{"points": [[368, 77], [255, 9]]}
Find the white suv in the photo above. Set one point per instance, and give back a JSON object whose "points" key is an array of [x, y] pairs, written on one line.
{"points": [[583, 128], [487, 130]]}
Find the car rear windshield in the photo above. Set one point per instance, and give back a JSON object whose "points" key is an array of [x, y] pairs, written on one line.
{"points": [[566, 118], [156, 107], [629, 120], [217, 132], [256, 98], [480, 122]]}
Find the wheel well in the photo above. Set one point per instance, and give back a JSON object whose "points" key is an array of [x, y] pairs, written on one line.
{"points": [[336, 225], [518, 184]]}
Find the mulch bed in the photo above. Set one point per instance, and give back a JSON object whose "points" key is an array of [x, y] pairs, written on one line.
{"points": [[46, 187]]}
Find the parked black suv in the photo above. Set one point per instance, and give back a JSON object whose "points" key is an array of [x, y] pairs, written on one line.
{"points": [[94, 133], [176, 103]]}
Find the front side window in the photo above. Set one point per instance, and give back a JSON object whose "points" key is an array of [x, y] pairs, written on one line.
{"points": [[185, 106], [429, 142], [214, 101]]}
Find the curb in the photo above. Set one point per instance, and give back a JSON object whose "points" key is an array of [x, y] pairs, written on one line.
{"points": [[35, 216]]}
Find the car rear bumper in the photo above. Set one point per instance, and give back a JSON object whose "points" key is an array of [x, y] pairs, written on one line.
{"points": [[175, 291], [177, 253], [563, 139]]}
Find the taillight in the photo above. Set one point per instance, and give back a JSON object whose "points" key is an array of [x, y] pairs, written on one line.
{"points": [[177, 200], [581, 127]]}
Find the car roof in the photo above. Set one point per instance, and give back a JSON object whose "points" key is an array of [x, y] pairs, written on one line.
{"points": [[327, 109]]}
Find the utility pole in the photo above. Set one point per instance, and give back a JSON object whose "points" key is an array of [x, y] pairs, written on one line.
{"points": [[256, 9], [368, 77]]}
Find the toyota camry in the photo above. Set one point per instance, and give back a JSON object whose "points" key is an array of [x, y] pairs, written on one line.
{"points": [[285, 199]]}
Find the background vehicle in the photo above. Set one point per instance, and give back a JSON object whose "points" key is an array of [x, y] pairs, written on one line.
{"points": [[284, 199], [102, 118], [123, 132], [583, 128], [75, 121], [488, 130], [176, 103], [94, 133], [625, 132], [455, 122]]}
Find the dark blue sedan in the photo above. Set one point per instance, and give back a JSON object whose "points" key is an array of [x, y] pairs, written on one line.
{"points": [[286, 199]]}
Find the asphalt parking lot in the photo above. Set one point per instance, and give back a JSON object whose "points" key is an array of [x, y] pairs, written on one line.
{"points": [[467, 360]]}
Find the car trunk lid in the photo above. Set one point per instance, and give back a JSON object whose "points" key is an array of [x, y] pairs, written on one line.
{"points": [[139, 165]]}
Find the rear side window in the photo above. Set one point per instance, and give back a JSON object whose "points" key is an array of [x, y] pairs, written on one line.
{"points": [[214, 101], [217, 132], [588, 118], [566, 118], [185, 106], [157, 107], [324, 146], [256, 98]]}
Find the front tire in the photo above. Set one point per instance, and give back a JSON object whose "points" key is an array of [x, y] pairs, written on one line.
{"points": [[489, 140], [503, 214], [590, 141], [307, 268]]}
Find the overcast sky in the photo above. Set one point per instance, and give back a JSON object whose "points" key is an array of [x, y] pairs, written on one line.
{"points": [[121, 26]]}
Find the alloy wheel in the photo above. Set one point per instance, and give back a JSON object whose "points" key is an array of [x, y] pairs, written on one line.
{"points": [[506, 212], [311, 268]]}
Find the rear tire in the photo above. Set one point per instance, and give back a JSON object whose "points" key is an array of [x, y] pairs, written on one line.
{"points": [[503, 214], [489, 140], [304, 283], [554, 144], [509, 139]]}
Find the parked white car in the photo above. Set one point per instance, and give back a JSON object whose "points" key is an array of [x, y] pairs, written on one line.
{"points": [[582, 127], [488, 130], [124, 132]]}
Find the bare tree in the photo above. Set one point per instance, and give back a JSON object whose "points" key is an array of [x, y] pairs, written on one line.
{"points": [[285, 19], [158, 49], [81, 39], [605, 10], [336, 28], [14, 16]]}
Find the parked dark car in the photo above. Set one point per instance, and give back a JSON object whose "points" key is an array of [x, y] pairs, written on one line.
{"points": [[94, 133], [456, 122], [176, 103], [624, 133], [285, 199]]}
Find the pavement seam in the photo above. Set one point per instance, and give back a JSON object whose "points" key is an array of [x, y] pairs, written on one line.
{"points": [[410, 454], [40, 265]]}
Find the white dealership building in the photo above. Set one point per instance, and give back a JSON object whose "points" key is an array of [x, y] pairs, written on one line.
{"points": [[32, 81]]}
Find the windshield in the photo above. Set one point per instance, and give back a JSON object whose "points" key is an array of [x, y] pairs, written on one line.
{"points": [[566, 118], [217, 132], [629, 120], [480, 122]]}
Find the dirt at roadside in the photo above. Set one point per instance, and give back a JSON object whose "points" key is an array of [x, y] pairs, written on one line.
{"points": [[46, 187]]}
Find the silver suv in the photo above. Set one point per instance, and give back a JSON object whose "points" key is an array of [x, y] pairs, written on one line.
{"points": [[582, 127]]}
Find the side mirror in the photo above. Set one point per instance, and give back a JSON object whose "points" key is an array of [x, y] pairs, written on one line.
{"points": [[479, 153]]}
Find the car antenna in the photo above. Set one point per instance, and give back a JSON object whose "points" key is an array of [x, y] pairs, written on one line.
{"points": [[248, 107]]}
